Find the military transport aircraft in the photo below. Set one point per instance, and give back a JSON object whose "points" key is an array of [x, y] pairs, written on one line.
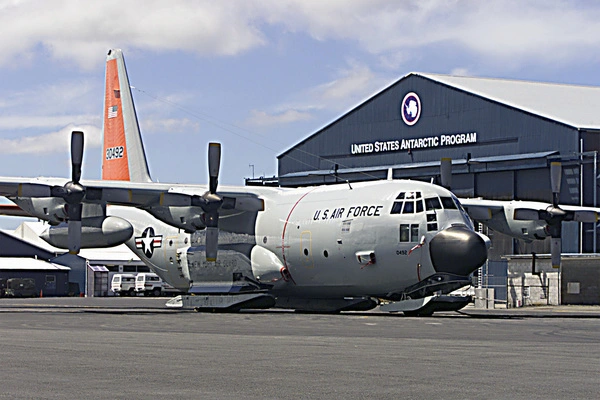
{"points": [[325, 248]]}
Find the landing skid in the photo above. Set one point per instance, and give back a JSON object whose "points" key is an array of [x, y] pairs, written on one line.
{"points": [[223, 302], [329, 306], [426, 306]]}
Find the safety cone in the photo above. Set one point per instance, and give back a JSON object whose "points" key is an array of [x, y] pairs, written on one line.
{"points": [[41, 294]]}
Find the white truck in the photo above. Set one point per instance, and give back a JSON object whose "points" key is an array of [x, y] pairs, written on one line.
{"points": [[123, 284], [149, 284]]}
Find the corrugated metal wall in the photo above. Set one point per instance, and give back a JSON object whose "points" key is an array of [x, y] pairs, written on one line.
{"points": [[501, 130]]}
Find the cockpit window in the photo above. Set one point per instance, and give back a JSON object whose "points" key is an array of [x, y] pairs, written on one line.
{"points": [[448, 203], [408, 203], [432, 203], [419, 206], [460, 207], [409, 207]]}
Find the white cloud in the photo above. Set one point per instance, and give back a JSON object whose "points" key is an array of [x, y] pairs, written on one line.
{"points": [[58, 141], [512, 31], [350, 85], [36, 121], [70, 29], [351, 81], [460, 72], [263, 118], [169, 125], [56, 98]]}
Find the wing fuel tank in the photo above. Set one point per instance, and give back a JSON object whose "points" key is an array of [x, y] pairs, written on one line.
{"points": [[95, 232]]}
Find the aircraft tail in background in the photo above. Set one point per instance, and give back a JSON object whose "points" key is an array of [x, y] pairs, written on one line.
{"points": [[124, 158]]}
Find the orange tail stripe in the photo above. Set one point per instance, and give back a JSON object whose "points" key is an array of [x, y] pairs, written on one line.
{"points": [[115, 165]]}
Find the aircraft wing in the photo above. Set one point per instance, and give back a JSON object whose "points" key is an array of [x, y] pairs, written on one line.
{"points": [[150, 196], [135, 194], [482, 210], [110, 192]]}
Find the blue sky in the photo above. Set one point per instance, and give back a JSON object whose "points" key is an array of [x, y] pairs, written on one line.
{"points": [[257, 76]]}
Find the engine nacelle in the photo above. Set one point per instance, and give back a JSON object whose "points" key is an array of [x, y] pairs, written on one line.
{"points": [[95, 232], [188, 218], [49, 209]]}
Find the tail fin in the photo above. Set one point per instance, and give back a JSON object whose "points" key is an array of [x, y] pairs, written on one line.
{"points": [[124, 156]]}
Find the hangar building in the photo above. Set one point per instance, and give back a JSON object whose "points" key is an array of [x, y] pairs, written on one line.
{"points": [[501, 134]]}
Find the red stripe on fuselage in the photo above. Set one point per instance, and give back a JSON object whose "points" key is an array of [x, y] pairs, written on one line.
{"points": [[285, 226]]}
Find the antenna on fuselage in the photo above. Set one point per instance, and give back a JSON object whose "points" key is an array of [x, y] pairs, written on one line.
{"points": [[349, 185]]}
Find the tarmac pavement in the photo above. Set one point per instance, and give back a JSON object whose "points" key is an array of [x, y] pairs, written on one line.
{"points": [[129, 348]]}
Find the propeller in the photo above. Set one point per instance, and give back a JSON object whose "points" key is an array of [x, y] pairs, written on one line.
{"points": [[72, 193], [554, 215], [212, 202]]}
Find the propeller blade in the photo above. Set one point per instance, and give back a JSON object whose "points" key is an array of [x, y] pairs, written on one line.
{"points": [[555, 251], [76, 155], [555, 178], [446, 172], [212, 243], [214, 161], [526, 214], [74, 227]]}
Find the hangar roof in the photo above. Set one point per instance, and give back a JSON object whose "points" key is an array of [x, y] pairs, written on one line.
{"points": [[573, 105], [24, 263]]}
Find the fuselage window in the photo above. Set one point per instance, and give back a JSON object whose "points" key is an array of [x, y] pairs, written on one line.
{"points": [[409, 207], [404, 232], [432, 203], [414, 232], [400, 196], [432, 227], [448, 203]]}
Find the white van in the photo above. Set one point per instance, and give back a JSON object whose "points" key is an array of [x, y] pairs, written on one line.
{"points": [[148, 283], [123, 284]]}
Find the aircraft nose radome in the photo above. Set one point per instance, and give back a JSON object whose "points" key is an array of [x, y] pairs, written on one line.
{"points": [[457, 250]]}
